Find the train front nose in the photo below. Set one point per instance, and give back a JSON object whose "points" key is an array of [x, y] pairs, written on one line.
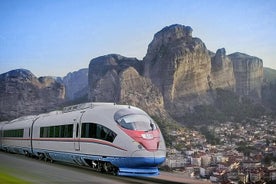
{"points": [[142, 162], [149, 155], [149, 159], [149, 148]]}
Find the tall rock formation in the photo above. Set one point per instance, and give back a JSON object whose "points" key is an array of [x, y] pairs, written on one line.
{"points": [[139, 91], [114, 78], [76, 84], [179, 65], [269, 89], [22, 93], [187, 74], [248, 71], [103, 77], [222, 75]]}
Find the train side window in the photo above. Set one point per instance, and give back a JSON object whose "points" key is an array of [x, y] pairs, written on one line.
{"points": [[57, 132], [93, 130], [44, 131], [14, 133], [111, 136], [20, 132], [84, 130], [66, 131], [41, 131], [52, 131], [62, 131], [89, 130], [70, 130]]}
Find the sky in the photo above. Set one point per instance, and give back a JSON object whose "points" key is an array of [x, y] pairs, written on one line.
{"points": [[55, 37]]}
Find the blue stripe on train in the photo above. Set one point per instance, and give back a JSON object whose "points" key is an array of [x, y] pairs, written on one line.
{"points": [[16, 149], [138, 171], [128, 166]]}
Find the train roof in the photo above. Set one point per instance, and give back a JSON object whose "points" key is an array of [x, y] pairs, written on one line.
{"points": [[73, 111], [2, 123], [21, 122], [89, 105], [24, 118]]}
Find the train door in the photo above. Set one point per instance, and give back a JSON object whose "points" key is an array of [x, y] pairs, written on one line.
{"points": [[1, 138], [77, 138], [78, 132], [2, 124]]}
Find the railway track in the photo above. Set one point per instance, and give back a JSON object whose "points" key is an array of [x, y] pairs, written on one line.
{"points": [[34, 171]]}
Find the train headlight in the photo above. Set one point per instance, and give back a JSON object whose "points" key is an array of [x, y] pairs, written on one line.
{"points": [[147, 136]]}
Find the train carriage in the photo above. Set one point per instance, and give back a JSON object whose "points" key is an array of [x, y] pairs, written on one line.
{"points": [[53, 133], [16, 135], [118, 139], [1, 132]]}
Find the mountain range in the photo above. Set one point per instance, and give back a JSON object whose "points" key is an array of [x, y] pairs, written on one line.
{"points": [[177, 78]]}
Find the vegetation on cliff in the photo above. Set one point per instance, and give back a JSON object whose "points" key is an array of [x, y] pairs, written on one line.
{"points": [[228, 106]]}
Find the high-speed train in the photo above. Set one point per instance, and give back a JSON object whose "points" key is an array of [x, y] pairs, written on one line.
{"points": [[117, 139]]}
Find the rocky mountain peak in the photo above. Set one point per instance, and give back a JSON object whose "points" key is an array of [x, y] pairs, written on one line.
{"points": [[248, 71], [21, 74], [219, 59], [240, 55], [221, 53], [173, 33], [47, 81], [76, 84], [22, 93], [222, 75], [179, 65], [177, 38], [115, 62], [104, 74]]}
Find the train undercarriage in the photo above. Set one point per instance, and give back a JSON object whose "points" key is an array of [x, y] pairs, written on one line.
{"points": [[97, 164]]}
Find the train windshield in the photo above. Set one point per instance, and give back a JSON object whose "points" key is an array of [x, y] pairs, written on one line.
{"points": [[137, 122]]}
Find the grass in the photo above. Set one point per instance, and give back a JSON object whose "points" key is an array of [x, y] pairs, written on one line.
{"points": [[6, 178]]}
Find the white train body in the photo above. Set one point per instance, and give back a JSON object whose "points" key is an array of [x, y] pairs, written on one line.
{"points": [[119, 139]]}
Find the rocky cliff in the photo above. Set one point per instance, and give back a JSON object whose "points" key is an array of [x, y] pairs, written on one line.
{"points": [[103, 77], [139, 91], [114, 78], [179, 65], [22, 93], [269, 89], [222, 72], [248, 71], [76, 84]]}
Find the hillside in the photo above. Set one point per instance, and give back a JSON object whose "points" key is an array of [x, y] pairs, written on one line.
{"points": [[22, 93], [269, 89], [269, 75]]}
